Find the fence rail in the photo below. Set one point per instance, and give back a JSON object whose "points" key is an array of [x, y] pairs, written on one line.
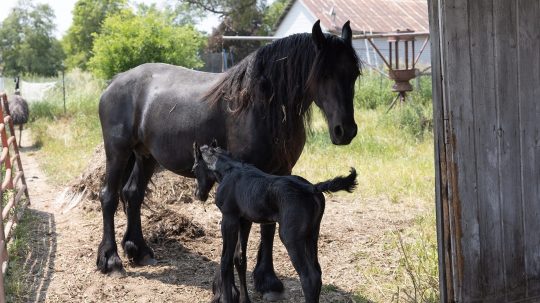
{"points": [[12, 186]]}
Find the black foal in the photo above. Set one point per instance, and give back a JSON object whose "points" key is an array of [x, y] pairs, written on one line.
{"points": [[245, 195]]}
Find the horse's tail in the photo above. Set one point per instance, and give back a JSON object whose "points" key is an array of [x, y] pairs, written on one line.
{"points": [[347, 183]]}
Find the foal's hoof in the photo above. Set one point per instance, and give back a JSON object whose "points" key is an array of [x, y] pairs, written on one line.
{"points": [[274, 296], [267, 284]]}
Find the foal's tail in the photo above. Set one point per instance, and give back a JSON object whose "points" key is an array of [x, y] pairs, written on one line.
{"points": [[347, 183]]}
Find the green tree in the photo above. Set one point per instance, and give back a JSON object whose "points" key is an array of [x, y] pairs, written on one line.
{"points": [[241, 18], [88, 16], [27, 44], [272, 14], [128, 39]]}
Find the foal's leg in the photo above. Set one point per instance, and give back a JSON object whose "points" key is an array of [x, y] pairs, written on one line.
{"points": [[240, 259], [299, 251], [229, 233], [107, 257], [133, 192], [264, 277]]}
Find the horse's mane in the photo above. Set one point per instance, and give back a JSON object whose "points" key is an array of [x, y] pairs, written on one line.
{"points": [[277, 76]]}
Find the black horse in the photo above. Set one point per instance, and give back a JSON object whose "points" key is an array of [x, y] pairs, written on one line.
{"points": [[247, 195], [257, 110]]}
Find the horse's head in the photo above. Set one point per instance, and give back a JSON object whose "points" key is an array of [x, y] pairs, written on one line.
{"points": [[332, 80], [205, 178]]}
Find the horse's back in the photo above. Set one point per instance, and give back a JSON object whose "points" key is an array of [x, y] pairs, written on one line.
{"points": [[130, 93], [158, 108]]}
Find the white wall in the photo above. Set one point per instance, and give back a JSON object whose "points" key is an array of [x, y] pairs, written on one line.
{"points": [[366, 52], [298, 20]]}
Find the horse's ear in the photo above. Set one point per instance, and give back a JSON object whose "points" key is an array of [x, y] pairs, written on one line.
{"points": [[346, 32], [214, 143], [196, 152], [317, 35]]}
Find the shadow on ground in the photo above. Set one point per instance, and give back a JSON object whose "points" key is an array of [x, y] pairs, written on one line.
{"points": [[179, 265], [41, 254]]}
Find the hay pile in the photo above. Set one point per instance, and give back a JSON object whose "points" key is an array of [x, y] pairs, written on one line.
{"points": [[165, 187], [168, 225]]}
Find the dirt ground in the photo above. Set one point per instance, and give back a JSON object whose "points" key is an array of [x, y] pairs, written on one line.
{"points": [[185, 237]]}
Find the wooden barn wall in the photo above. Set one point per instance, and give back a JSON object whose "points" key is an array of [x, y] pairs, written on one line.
{"points": [[486, 88]]}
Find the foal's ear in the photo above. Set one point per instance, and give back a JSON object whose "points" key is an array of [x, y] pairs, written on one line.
{"points": [[317, 35], [346, 32], [196, 152], [214, 143]]}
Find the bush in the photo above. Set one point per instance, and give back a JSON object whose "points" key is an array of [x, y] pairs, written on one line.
{"points": [[373, 90], [413, 117], [128, 40]]}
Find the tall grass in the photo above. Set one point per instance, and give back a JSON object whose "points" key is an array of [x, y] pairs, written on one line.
{"points": [[67, 138]]}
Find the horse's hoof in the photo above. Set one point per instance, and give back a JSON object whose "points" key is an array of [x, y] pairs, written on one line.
{"points": [[118, 273], [108, 261], [274, 296], [147, 260]]}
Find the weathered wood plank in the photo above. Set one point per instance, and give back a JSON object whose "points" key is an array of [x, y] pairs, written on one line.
{"points": [[486, 147], [441, 172], [506, 73], [458, 93], [528, 12]]}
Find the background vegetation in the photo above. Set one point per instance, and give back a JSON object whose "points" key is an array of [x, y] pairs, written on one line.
{"points": [[27, 44], [128, 40]]}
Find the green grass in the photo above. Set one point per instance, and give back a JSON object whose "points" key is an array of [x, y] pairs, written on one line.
{"points": [[67, 139], [16, 275], [390, 161]]}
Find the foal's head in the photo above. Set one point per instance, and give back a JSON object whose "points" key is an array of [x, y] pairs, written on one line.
{"points": [[205, 178]]}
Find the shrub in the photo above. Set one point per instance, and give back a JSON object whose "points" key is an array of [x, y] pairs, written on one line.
{"points": [[128, 40]]}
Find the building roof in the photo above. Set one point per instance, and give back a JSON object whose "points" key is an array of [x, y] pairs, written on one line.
{"points": [[377, 16]]}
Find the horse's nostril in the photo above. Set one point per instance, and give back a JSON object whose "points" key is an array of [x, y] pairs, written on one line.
{"points": [[338, 131]]}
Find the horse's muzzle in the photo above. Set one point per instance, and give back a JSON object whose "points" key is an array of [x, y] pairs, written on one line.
{"points": [[343, 135], [201, 196]]}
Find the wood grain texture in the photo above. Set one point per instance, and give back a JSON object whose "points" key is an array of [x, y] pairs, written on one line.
{"points": [[486, 148], [508, 130], [490, 93], [528, 41], [464, 209]]}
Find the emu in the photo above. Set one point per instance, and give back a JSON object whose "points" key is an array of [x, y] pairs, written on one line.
{"points": [[247, 195], [18, 109]]}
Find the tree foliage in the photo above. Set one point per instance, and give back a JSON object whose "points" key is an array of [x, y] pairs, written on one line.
{"points": [[128, 39], [241, 18], [27, 44], [88, 16]]}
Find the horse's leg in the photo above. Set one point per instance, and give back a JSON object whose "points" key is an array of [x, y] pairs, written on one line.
{"points": [[264, 277], [107, 257], [240, 259], [310, 276], [133, 192], [229, 234]]}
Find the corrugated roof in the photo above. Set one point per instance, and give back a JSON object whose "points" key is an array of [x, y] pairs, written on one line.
{"points": [[375, 16]]}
